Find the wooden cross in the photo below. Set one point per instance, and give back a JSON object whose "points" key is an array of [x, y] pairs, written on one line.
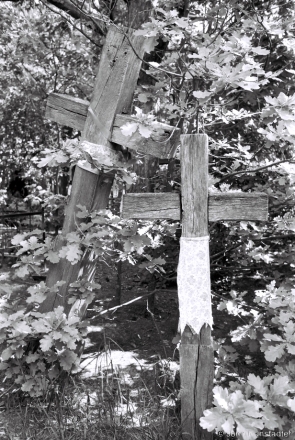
{"points": [[100, 121], [195, 209]]}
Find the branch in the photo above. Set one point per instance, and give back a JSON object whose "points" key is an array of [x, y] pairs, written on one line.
{"points": [[67, 7], [222, 253], [253, 171], [231, 268], [74, 11], [170, 74], [274, 237], [242, 305], [71, 9], [72, 24], [113, 309]]}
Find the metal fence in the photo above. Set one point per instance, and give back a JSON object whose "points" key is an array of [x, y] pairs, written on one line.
{"points": [[6, 234], [12, 223]]}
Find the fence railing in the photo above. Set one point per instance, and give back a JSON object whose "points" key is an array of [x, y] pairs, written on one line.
{"points": [[9, 228]]}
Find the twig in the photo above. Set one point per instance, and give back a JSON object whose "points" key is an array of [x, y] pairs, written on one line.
{"points": [[141, 59], [113, 309], [225, 250], [253, 171], [273, 237], [242, 305], [239, 268], [233, 120], [93, 19], [157, 328]]}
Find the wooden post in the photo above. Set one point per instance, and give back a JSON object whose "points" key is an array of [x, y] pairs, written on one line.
{"points": [[113, 92], [196, 350]]}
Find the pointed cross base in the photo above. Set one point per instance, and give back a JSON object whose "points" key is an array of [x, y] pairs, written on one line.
{"points": [[196, 378]]}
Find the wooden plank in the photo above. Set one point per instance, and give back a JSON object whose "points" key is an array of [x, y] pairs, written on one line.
{"points": [[72, 112], [188, 357], [204, 382], [197, 350], [114, 85], [151, 206], [194, 185], [162, 142], [67, 110], [118, 71], [238, 206], [222, 206]]}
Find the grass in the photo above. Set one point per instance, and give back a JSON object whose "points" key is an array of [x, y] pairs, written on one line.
{"points": [[134, 403]]}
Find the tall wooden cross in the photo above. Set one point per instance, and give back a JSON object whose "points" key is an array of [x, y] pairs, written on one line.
{"points": [[195, 209], [100, 121]]}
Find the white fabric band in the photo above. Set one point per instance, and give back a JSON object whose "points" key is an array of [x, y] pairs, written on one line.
{"points": [[86, 166], [193, 280]]}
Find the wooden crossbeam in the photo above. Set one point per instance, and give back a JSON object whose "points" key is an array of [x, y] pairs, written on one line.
{"points": [[222, 206], [67, 110], [72, 112]]}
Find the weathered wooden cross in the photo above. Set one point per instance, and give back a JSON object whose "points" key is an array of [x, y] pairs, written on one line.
{"points": [[195, 210], [100, 122]]}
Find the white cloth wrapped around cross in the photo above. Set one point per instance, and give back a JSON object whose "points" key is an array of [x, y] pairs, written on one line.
{"points": [[101, 154], [193, 280]]}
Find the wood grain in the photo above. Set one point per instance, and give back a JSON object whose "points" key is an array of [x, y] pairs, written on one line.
{"points": [[197, 350], [114, 85], [224, 206], [194, 185], [196, 375], [188, 356], [151, 206], [113, 91], [67, 110], [72, 112], [204, 383], [238, 206]]}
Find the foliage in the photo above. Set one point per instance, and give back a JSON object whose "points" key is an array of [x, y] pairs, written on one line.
{"points": [[225, 68], [56, 337], [37, 347], [270, 399]]}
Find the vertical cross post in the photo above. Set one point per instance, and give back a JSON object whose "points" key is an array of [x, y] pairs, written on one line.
{"points": [[196, 348]]}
